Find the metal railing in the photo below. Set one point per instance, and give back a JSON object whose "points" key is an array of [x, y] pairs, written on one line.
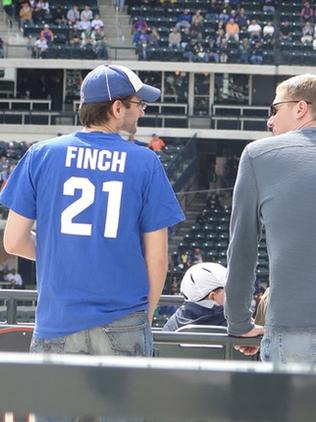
{"points": [[166, 389], [12, 296]]}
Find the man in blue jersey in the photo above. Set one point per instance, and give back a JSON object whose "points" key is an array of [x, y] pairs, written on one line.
{"points": [[102, 208], [276, 188]]}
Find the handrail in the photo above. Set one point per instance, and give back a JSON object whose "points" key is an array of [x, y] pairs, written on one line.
{"points": [[119, 387], [30, 102], [13, 295]]}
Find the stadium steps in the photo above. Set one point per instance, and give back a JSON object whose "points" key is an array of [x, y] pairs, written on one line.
{"points": [[192, 211], [117, 28], [15, 44]]}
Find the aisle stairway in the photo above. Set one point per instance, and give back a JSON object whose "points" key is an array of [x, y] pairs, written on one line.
{"points": [[118, 31]]}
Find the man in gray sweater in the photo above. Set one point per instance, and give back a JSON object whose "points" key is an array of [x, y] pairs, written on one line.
{"points": [[276, 188]]}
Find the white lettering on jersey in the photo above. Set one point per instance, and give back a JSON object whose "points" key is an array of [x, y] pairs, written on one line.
{"points": [[95, 159]]}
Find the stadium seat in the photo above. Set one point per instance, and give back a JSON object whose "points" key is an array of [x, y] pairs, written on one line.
{"points": [[15, 338]]}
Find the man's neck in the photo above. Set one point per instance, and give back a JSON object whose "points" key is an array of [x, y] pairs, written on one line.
{"points": [[308, 123], [106, 128]]}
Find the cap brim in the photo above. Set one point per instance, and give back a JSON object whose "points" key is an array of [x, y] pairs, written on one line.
{"points": [[148, 93]]}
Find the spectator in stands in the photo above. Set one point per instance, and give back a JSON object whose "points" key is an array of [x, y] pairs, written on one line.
{"points": [[154, 37], [314, 41], [285, 31], [223, 16], [97, 34], [256, 54], [75, 38], [120, 5], [40, 47], [140, 25], [58, 14], [197, 21], [203, 289], [196, 35], [269, 6], [97, 21], [85, 24], [254, 30], [232, 30], [185, 37], [156, 143], [184, 20], [223, 51], [86, 39], [307, 12], [73, 15], [242, 18], [174, 38], [220, 37], [262, 307], [212, 50], [185, 260], [196, 52], [100, 46], [86, 14], [14, 278], [25, 15], [47, 33], [197, 256], [307, 33], [41, 11], [268, 31], [244, 51], [142, 45]]}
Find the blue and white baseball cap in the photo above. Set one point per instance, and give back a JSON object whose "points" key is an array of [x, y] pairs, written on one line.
{"points": [[108, 82]]}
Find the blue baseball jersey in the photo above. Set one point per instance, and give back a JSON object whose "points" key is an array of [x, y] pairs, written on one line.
{"points": [[93, 195]]}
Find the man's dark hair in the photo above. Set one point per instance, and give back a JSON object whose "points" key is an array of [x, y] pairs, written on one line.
{"points": [[98, 113]]}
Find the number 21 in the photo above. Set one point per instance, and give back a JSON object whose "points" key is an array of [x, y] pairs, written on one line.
{"points": [[87, 198]]}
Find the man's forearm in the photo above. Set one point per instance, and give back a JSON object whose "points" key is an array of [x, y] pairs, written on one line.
{"points": [[25, 248], [156, 258], [157, 272], [19, 238]]}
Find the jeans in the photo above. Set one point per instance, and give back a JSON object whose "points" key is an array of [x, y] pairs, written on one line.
{"points": [[288, 346], [128, 336]]}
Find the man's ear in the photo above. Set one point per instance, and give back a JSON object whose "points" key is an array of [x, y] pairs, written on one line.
{"points": [[117, 108], [302, 108]]}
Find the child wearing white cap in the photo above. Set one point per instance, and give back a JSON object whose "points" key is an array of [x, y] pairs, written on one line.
{"points": [[203, 289]]}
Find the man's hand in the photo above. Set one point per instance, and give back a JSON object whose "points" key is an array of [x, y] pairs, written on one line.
{"points": [[258, 330]]}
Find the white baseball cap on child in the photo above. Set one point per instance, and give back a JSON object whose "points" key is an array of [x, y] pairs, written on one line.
{"points": [[201, 279]]}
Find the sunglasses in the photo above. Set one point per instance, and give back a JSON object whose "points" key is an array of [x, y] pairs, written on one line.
{"points": [[274, 110]]}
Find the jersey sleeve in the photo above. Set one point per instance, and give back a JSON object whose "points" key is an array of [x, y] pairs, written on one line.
{"points": [[161, 207], [19, 193]]}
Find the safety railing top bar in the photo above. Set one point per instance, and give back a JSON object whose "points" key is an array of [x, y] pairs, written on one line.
{"points": [[11, 296], [166, 389]]}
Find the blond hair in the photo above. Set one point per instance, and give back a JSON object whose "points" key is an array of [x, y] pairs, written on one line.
{"points": [[301, 87]]}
